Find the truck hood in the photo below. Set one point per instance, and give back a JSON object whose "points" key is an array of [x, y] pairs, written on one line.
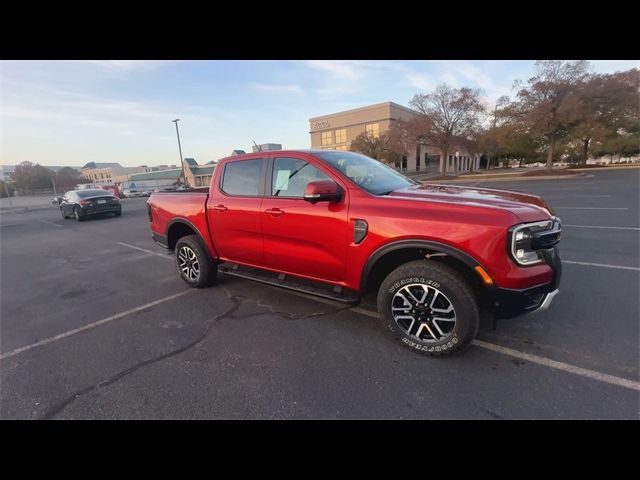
{"points": [[529, 208]]}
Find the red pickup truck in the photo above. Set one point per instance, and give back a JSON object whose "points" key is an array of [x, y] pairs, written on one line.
{"points": [[340, 225]]}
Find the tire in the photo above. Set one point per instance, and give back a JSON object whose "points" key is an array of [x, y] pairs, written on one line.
{"points": [[117, 214], [63, 215], [190, 253], [77, 216], [453, 323]]}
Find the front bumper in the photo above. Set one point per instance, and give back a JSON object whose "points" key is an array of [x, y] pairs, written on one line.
{"points": [[508, 303]]}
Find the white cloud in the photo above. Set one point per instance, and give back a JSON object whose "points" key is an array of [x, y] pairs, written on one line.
{"points": [[344, 69], [276, 88], [475, 74], [128, 65], [612, 66], [423, 82]]}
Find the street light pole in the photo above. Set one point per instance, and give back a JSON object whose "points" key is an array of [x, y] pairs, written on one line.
{"points": [[180, 150]]}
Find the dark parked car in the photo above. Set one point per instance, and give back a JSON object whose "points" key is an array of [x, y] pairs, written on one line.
{"points": [[81, 204]]}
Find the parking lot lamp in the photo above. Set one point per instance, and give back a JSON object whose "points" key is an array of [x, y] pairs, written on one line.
{"points": [[180, 150]]}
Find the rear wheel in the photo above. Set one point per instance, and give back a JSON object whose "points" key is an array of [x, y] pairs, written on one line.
{"points": [[194, 263], [430, 307]]}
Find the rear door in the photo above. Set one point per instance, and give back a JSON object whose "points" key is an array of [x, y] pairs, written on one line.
{"points": [[300, 237], [233, 211]]}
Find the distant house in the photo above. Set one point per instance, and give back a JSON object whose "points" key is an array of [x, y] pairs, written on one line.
{"points": [[238, 152], [158, 179], [108, 173], [265, 147], [6, 171]]}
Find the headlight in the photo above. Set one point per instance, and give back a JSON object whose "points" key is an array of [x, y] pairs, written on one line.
{"points": [[528, 239]]}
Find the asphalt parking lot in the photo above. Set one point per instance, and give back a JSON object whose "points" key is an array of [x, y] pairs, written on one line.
{"points": [[96, 324]]}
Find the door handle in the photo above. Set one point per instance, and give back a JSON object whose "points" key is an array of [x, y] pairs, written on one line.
{"points": [[219, 208], [274, 212]]}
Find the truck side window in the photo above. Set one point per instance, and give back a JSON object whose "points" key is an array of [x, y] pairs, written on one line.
{"points": [[291, 176], [243, 177]]}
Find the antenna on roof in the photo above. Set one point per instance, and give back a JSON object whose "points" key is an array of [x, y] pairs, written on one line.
{"points": [[257, 146]]}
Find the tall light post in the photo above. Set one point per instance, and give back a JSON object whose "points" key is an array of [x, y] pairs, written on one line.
{"points": [[180, 150], [53, 182]]}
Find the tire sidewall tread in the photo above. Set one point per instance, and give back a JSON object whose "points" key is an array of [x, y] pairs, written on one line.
{"points": [[453, 285], [208, 269]]}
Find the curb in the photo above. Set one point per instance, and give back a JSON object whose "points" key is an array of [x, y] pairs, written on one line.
{"points": [[507, 179], [24, 209], [622, 167]]}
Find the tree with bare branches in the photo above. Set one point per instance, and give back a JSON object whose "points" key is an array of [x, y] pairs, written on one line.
{"points": [[609, 108], [451, 116], [374, 146], [549, 102]]}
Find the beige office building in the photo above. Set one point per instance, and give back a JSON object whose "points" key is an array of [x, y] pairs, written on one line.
{"points": [[336, 131]]}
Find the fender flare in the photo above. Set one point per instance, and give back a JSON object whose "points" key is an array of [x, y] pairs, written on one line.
{"points": [[186, 222], [427, 244]]}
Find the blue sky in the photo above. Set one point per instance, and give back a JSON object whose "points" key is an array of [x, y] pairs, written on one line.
{"points": [[73, 112]]}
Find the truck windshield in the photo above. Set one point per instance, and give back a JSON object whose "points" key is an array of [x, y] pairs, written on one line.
{"points": [[372, 175]]}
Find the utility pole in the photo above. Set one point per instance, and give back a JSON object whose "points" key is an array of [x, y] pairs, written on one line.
{"points": [[180, 150], [53, 182]]}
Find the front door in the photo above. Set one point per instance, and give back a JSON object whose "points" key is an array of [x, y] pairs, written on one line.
{"points": [[233, 211], [68, 202], [300, 237]]}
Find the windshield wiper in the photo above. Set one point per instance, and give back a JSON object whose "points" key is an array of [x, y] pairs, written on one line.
{"points": [[385, 193]]}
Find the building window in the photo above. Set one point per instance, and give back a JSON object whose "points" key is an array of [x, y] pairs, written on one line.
{"points": [[373, 130], [327, 138], [342, 147], [341, 135]]}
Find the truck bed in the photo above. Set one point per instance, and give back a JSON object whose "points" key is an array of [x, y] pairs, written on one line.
{"points": [[189, 205]]}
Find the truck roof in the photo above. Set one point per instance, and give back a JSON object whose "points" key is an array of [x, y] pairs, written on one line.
{"points": [[272, 152]]}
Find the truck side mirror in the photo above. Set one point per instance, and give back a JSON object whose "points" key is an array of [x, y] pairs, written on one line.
{"points": [[322, 191]]}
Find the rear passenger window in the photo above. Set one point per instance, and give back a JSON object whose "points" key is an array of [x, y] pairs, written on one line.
{"points": [[291, 176], [243, 177]]}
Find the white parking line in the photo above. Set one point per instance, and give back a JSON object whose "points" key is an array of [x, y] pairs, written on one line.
{"points": [[547, 362], [145, 250], [603, 265], [50, 223], [551, 194], [592, 208], [91, 325], [598, 226]]}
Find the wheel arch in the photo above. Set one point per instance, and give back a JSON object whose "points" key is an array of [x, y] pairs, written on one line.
{"points": [[390, 256], [181, 227]]}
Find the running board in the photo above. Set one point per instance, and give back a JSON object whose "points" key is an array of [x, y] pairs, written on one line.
{"points": [[337, 293]]}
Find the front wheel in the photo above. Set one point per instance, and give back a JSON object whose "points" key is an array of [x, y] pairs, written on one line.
{"points": [[76, 215], [430, 307], [194, 263]]}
